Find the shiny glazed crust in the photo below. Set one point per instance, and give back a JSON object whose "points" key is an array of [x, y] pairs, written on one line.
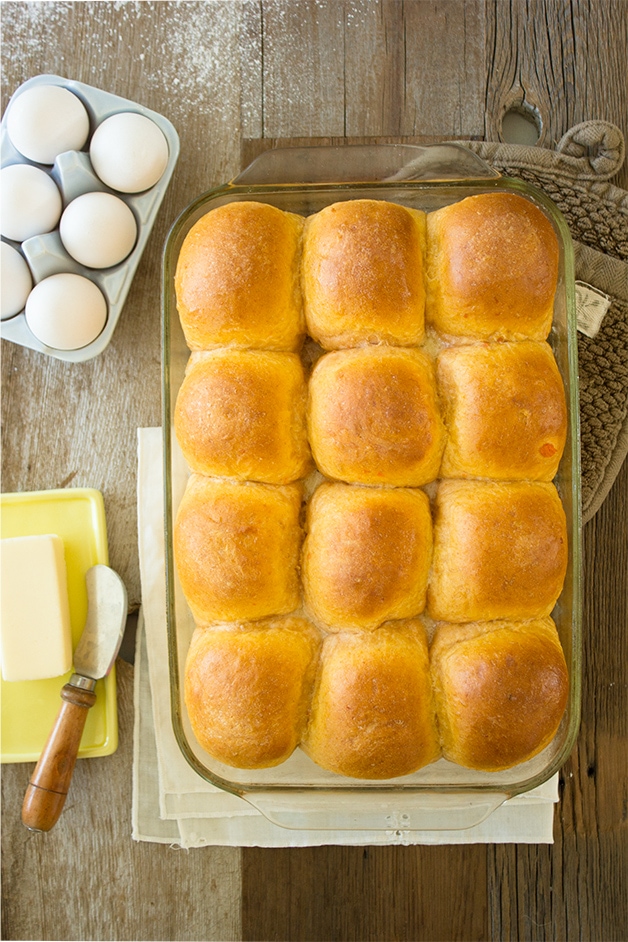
{"points": [[322, 645], [500, 551], [505, 411], [373, 416], [492, 269], [366, 555], [236, 548], [362, 274], [247, 689], [241, 414], [372, 712], [501, 690], [237, 279]]}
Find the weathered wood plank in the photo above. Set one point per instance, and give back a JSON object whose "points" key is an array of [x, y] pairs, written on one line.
{"points": [[223, 71], [415, 68], [179, 56], [574, 889], [420, 893], [366, 68], [303, 68], [86, 878], [75, 425], [564, 57]]}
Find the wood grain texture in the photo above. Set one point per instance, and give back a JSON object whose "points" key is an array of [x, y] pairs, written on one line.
{"points": [[421, 893], [364, 68], [225, 73], [564, 58], [303, 80], [75, 425], [395, 51], [86, 879]]}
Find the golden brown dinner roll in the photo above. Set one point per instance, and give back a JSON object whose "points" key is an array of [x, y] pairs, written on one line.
{"points": [[236, 548], [492, 269], [500, 551], [505, 411], [247, 689], [372, 713], [366, 555], [241, 414], [373, 417], [237, 279], [362, 274], [501, 690]]}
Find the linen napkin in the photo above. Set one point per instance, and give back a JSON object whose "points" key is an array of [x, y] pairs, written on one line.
{"points": [[172, 804]]}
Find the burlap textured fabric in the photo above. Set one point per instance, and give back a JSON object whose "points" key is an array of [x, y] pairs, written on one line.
{"points": [[576, 177]]}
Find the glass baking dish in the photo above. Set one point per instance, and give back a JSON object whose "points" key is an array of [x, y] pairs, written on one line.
{"points": [[299, 794]]}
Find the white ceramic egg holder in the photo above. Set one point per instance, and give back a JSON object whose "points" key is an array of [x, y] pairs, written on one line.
{"points": [[73, 174]]}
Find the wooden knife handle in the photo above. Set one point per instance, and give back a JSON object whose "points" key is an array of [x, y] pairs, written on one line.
{"points": [[50, 782]]}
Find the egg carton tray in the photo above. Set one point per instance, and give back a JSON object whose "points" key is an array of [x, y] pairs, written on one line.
{"points": [[73, 174]]}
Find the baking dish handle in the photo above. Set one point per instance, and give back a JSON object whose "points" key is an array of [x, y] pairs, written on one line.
{"points": [[364, 811], [362, 163]]}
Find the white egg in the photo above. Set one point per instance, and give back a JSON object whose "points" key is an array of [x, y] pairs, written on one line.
{"points": [[129, 152], [66, 311], [45, 121], [98, 230], [16, 281], [31, 202]]}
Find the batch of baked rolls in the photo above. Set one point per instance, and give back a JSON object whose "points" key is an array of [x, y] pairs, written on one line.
{"points": [[370, 541]]}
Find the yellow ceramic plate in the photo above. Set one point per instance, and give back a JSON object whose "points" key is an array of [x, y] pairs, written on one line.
{"points": [[29, 708]]}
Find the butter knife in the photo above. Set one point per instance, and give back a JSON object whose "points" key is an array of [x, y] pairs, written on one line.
{"points": [[93, 659]]}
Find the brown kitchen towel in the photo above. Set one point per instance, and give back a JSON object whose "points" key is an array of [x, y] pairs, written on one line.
{"points": [[575, 176]]}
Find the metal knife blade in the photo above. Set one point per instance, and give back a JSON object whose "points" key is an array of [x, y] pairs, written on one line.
{"points": [[104, 628]]}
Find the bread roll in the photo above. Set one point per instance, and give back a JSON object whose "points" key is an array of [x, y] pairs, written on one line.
{"points": [[237, 279], [373, 417], [236, 549], [362, 274], [366, 555], [372, 712], [500, 551], [247, 689], [241, 414], [492, 269], [501, 690], [505, 411]]}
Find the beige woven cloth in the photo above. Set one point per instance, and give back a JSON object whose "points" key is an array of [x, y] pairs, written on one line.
{"points": [[576, 177]]}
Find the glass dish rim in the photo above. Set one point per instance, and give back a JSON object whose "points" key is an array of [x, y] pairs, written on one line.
{"points": [[238, 191]]}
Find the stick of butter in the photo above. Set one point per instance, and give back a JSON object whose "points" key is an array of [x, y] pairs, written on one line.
{"points": [[35, 639]]}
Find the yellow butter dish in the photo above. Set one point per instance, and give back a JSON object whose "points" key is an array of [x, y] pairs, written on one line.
{"points": [[29, 707]]}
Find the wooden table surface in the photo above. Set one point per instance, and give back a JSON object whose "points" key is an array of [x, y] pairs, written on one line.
{"points": [[227, 73]]}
